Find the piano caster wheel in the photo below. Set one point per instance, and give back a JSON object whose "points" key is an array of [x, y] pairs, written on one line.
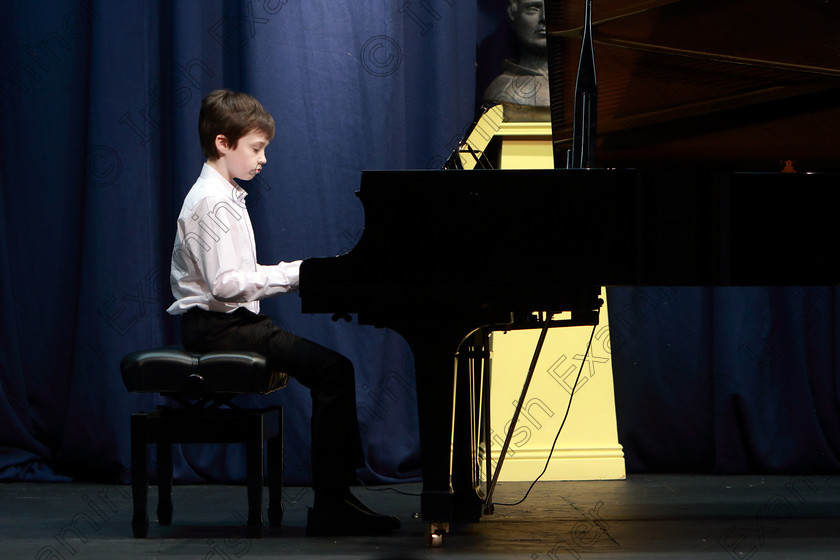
{"points": [[435, 533]]}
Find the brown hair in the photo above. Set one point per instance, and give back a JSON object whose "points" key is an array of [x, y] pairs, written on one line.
{"points": [[232, 114]]}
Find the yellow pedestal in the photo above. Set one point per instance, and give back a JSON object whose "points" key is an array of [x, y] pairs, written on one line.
{"points": [[587, 448], [525, 145]]}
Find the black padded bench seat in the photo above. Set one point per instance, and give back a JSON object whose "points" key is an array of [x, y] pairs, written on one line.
{"points": [[171, 370], [204, 384]]}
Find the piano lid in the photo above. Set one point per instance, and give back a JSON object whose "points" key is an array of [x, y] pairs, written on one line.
{"points": [[735, 84]]}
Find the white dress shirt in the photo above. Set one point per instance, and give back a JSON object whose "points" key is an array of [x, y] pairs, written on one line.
{"points": [[214, 261]]}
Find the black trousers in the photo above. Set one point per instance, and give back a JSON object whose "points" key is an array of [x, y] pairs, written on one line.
{"points": [[329, 376]]}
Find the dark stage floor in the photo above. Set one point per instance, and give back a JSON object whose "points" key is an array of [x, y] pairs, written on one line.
{"points": [[662, 516]]}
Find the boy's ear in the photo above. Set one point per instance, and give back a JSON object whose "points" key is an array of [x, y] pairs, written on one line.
{"points": [[221, 143]]}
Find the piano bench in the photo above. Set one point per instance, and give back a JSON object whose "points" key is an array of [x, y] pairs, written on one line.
{"points": [[204, 384]]}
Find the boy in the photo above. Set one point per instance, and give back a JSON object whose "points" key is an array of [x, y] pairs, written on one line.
{"points": [[217, 284]]}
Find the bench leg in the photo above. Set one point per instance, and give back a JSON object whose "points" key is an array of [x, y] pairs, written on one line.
{"points": [[139, 478], [164, 475], [254, 454], [275, 475]]}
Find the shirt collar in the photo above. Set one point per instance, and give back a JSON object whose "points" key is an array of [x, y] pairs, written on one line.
{"points": [[210, 174]]}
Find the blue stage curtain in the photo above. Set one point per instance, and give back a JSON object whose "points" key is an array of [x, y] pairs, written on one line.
{"points": [[728, 380], [99, 106], [98, 109]]}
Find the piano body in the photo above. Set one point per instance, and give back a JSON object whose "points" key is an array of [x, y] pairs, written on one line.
{"points": [[694, 128]]}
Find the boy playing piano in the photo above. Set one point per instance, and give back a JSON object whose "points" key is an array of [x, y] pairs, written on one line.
{"points": [[218, 284]]}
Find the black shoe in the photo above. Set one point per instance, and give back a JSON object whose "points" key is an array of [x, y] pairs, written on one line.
{"points": [[349, 518]]}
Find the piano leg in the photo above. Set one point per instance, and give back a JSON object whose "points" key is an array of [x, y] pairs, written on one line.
{"points": [[448, 435], [436, 378]]}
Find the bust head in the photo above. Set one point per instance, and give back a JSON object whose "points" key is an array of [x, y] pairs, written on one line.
{"points": [[527, 17]]}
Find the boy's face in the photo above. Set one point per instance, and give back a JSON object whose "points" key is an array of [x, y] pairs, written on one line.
{"points": [[247, 159]]}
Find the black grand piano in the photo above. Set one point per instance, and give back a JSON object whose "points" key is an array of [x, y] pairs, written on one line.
{"points": [[716, 157]]}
